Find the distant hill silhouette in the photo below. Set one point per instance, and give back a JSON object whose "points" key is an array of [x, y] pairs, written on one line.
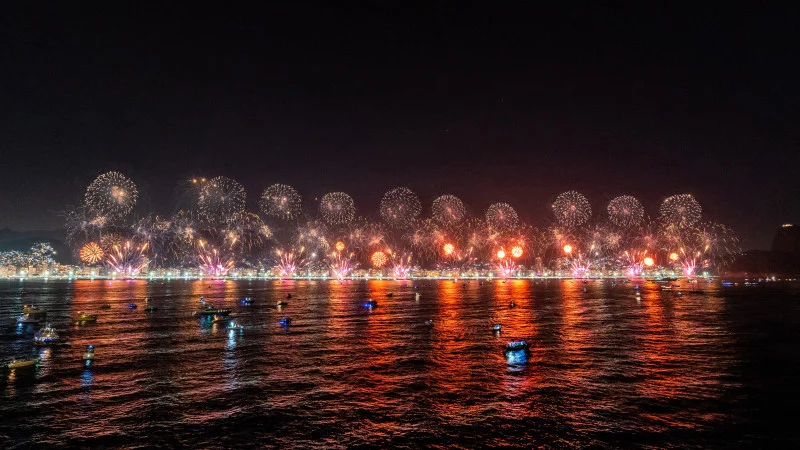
{"points": [[787, 239], [782, 260], [24, 240]]}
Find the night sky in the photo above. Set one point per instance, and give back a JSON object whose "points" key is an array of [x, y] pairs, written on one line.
{"points": [[486, 103]]}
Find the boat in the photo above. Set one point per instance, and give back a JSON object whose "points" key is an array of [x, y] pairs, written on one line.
{"points": [[84, 318], [247, 301], [23, 363], [31, 309], [288, 295], [515, 346], [106, 306], [286, 321], [133, 306], [497, 328], [203, 300], [512, 304], [27, 318], [235, 326], [428, 323], [88, 354], [45, 336], [279, 304], [220, 318], [370, 304], [210, 310], [390, 294], [151, 308]]}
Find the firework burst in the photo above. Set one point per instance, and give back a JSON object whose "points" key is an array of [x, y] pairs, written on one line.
{"points": [[288, 263], [379, 259], [337, 208], [127, 259], [399, 207], [280, 201], [340, 265], [212, 263], [448, 210], [625, 211], [502, 216], [222, 200], [91, 253], [680, 210], [572, 209], [111, 195]]}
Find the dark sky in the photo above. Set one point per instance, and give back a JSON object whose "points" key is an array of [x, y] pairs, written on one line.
{"points": [[487, 103]]}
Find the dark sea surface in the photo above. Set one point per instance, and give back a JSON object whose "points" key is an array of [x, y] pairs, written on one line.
{"points": [[715, 367]]}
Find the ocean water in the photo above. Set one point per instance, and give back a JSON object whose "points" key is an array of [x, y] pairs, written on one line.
{"points": [[714, 367]]}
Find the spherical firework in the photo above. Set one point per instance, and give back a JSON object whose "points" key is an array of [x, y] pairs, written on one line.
{"points": [[111, 240], [448, 210], [501, 254], [379, 259], [502, 216], [568, 249], [681, 210], [673, 256], [449, 249], [516, 251], [111, 194], [281, 201], [399, 207], [221, 200], [339, 246], [572, 209], [649, 261], [625, 211], [91, 253], [337, 208]]}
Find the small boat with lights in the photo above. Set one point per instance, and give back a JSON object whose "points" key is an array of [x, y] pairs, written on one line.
{"points": [[46, 336], [31, 309], [370, 304], [281, 304], [88, 354], [235, 326], [247, 301], [82, 317], [27, 318], [515, 346], [23, 363], [211, 310], [286, 321], [221, 318], [106, 306]]}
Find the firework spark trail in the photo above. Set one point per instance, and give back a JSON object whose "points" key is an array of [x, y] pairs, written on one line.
{"points": [[127, 259]]}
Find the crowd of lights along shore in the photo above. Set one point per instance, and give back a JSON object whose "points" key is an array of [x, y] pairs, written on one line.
{"points": [[211, 234]]}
